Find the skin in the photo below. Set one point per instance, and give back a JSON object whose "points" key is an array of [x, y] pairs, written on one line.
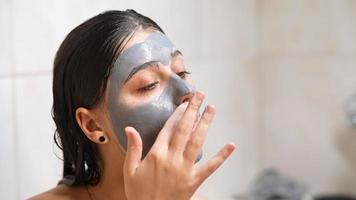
{"points": [[149, 117], [168, 171]]}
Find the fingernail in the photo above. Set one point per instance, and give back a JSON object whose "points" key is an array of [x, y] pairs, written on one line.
{"points": [[200, 96], [127, 130], [210, 109]]}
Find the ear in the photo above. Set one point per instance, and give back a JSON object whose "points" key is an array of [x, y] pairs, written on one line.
{"points": [[90, 126]]}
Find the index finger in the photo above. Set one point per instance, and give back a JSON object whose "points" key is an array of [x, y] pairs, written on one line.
{"points": [[185, 126], [168, 128]]}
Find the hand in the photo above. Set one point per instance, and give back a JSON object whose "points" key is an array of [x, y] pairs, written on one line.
{"points": [[168, 171]]}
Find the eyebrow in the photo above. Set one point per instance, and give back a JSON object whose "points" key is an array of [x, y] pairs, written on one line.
{"points": [[176, 53], [141, 67], [149, 64]]}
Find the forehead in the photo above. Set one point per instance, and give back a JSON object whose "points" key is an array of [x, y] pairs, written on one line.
{"points": [[155, 47], [144, 47], [151, 46], [138, 37]]}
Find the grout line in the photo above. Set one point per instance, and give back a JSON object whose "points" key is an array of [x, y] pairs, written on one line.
{"points": [[14, 104], [299, 56], [259, 93], [260, 107], [274, 57], [25, 74]]}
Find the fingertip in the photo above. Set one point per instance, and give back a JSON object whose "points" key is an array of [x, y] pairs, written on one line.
{"points": [[200, 95], [128, 129], [210, 109], [230, 146], [212, 106], [131, 133], [228, 150], [127, 132]]}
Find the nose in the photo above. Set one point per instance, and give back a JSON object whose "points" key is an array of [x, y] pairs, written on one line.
{"points": [[183, 91], [187, 97]]}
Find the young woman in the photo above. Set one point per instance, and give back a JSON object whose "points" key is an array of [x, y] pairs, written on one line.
{"points": [[127, 114]]}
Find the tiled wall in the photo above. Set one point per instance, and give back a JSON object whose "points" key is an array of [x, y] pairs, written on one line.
{"points": [[278, 72], [216, 37], [307, 61]]}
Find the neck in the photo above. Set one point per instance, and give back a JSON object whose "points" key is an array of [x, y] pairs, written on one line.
{"points": [[111, 185]]}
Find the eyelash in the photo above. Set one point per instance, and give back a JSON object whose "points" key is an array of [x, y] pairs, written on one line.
{"points": [[152, 86], [148, 87], [183, 74]]}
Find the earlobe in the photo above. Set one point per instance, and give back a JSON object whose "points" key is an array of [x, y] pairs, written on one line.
{"points": [[89, 125], [103, 139]]}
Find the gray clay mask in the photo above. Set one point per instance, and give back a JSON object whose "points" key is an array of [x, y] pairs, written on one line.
{"points": [[149, 118]]}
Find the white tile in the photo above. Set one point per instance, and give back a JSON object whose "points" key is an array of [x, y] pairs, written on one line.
{"points": [[180, 20], [230, 85], [8, 172], [303, 27], [39, 168], [184, 27], [306, 133], [33, 40], [40, 27], [5, 37], [38, 31], [197, 28], [228, 28]]}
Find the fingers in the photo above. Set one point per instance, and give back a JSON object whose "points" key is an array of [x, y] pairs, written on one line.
{"points": [[197, 139], [134, 150], [183, 129], [213, 164], [168, 128]]}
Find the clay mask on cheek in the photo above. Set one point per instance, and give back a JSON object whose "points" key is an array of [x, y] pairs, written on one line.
{"points": [[148, 118]]}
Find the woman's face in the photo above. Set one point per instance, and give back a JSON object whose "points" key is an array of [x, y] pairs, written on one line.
{"points": [[147, 83]]}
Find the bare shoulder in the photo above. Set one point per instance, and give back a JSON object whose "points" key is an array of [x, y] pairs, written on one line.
{"points": [[61, 192], [198, 197]]}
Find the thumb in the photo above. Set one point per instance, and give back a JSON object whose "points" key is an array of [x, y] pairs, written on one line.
{"points": [[134, 150]]}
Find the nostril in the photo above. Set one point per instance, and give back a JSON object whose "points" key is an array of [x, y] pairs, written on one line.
{"points": [[186, 98]]}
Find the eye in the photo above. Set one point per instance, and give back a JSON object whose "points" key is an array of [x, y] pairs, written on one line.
{"points": [[183, 74], [148, 87]]}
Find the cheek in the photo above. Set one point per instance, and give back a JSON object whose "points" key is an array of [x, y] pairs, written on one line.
{"points": [[147, 113], [148, 119], [190, 81], [151, 116]]}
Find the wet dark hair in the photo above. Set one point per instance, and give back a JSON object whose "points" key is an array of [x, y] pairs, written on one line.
{"points": [[81, 69]]}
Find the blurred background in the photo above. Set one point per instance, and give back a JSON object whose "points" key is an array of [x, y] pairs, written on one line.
{"points": [[280, 72]]}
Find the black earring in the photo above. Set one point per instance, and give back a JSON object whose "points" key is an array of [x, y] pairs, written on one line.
{"points": [[102, 138]]}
